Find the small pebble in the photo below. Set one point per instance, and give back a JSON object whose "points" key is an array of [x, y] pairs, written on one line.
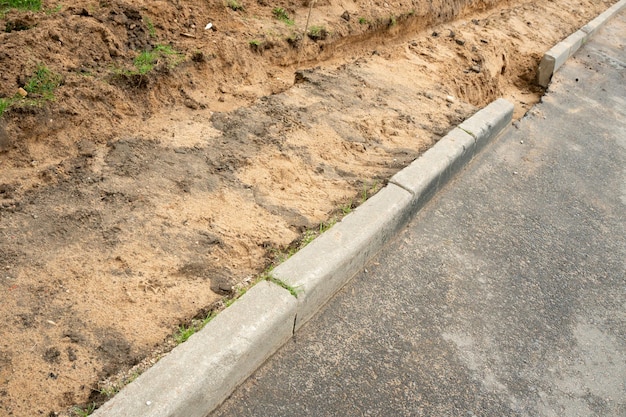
{"points": [[148, 402], [450, 99], [521, 141]]}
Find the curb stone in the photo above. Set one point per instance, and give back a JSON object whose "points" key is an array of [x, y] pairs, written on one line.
{"points": [[319, 270], [559, 53], [198, 375]]}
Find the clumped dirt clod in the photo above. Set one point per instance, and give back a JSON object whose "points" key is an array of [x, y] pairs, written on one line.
{"points": [[169, 163]]}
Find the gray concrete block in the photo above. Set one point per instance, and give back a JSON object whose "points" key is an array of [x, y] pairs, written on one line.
{"points": [[199, 374], [489, 122], [591, 27], [434, 168], [319, 270], [557, 55], [546, 69]]}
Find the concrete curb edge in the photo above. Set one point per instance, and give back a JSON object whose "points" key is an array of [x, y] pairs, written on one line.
{"points": [[198, 375], [319, 270], [559, 53]]}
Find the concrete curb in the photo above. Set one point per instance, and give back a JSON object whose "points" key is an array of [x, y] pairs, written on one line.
{"points": [[328, 263], [198, 375], [559, 53]]}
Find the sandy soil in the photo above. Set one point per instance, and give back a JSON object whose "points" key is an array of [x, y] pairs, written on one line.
{"points": [[130, 204]]}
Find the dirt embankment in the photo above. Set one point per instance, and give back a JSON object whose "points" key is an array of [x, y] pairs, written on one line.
{"points": [[131, 200]]}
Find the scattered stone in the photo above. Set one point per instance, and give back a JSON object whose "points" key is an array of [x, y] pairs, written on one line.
{"points": [[450, 99], [475, 68], [485, 41], [345, 16], [460, 42], [22, 92], [434, 34], [452, 34]]}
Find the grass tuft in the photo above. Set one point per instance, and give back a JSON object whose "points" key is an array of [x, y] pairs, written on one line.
{"points": [[234, 5], [184, 333], [40, 87], [84, 411], [150, 26], [147, 60], [317, 33], [5, 103], [292, 290], [43, 82], [282, 15], [33, 5]]}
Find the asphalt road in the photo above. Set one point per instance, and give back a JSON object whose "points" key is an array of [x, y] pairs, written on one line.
{"points": [[505, 296]]}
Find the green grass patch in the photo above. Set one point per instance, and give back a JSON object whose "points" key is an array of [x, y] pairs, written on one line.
{"points": [[234, 5], [5, 103], [184, 333], [33, 5], [84, 411], [40, 87], [369, 190], [282, 15], [363, 21], [317, 33], [147, 60], [43, 82], [292, 290], [150, 26]]}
